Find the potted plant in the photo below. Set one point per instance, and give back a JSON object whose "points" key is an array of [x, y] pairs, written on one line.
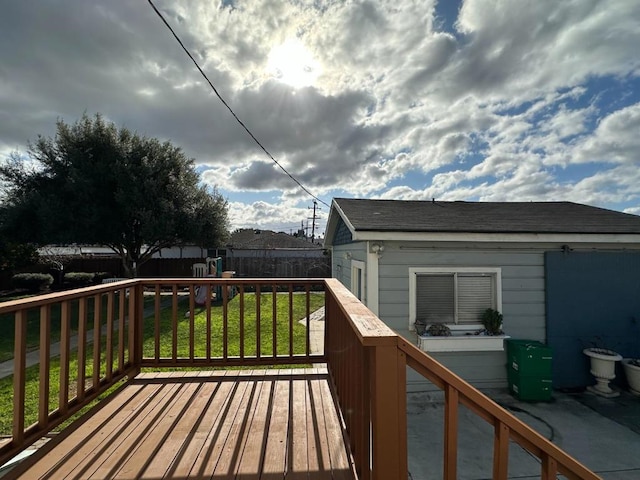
{"points": [[492, 322], [603, 368], [438, 330], [631, 368], [420, 326]]}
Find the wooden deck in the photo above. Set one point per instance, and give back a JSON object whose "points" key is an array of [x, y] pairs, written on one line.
{"points": [[244, 424]]}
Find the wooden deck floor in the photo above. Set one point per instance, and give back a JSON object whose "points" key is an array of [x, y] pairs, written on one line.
{"points": [[242, 424]]}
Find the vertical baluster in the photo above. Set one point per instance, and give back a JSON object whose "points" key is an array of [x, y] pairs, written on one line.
{"points": [[82, 347], [132, 327], [549, 467], [63, 397], [225, 327], [192, 321], [274, 320], [156, 328], [258, 321], [208, 308], [500, 451], [109, 346], [174, 323], [19, 375], [450, 433], [97, 337], [45, 362], [121, 315], [307, 293], [291, 320], [241, 321]]}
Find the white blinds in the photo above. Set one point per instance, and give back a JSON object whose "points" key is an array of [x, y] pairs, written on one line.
{"points": [[454, 297]]}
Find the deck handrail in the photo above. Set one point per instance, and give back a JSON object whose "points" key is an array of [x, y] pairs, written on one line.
{"points": [[367, 362]]}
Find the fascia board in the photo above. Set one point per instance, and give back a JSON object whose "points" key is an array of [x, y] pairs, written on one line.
{"points": [[614, 238]]}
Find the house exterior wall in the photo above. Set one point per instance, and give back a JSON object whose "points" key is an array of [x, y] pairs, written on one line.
{"points": [[342, 257], [523, 299]]}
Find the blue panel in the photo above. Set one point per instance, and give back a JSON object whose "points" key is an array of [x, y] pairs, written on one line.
{"points": [[592, 298]]}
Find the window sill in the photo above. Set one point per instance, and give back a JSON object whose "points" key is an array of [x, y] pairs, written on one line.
{"points": [[462, 343]]}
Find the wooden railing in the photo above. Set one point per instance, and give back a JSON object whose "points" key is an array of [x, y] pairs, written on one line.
{"points": [[95, 352], [258, 324], [111, 331], [159, 323], [368, 364]]}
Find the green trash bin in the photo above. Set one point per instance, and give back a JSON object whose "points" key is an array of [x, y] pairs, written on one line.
{"points": [[529, 370]]}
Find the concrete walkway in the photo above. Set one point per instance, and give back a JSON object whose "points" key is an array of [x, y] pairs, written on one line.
{"points": [[316, 331], [602, 443]]}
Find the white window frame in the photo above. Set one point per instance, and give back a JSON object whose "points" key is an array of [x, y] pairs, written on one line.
{"points": [[358, 266], [415, 271]]}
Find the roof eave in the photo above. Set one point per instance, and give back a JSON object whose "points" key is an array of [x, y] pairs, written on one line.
{"points": [[381, 235]]}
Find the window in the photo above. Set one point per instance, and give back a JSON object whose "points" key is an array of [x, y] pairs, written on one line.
{"points": [[455, 296]]}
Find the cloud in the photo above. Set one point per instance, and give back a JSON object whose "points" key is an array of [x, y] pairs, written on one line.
{"points": [[510, 101]]}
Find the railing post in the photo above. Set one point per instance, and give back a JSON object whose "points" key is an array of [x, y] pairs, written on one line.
{"points": [[388, 411], [136, 326], [19, 376]]}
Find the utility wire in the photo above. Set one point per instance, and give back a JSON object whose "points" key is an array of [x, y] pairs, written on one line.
{"points": [[230, 109]]}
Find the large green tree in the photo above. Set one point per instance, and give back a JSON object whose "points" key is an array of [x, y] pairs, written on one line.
{"points": [[94, 183]]}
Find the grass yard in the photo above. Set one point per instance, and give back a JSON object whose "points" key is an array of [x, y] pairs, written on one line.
{"points": [[233, 327], [233, 320]]}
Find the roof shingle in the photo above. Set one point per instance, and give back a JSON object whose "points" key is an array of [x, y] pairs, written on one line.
{"points": [[484, 217]]}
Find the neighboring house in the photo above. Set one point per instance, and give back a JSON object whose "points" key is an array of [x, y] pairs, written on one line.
{"points": [[562, 273], [264, 253]]}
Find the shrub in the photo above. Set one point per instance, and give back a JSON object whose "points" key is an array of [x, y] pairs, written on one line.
{"points": [[98, 277], [492, 322], [33, 282], [78, 279]]}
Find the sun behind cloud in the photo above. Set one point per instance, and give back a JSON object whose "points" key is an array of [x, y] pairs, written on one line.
{"points": [[292, 63]]}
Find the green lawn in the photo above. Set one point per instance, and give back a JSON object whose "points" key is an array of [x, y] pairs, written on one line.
{"points": [[282, 329]]}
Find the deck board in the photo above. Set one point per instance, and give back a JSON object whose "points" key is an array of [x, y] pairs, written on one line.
{"points": [[269, 424]]}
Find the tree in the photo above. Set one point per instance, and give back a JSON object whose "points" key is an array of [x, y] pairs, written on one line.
{"points": [[16, 255], [96, 184]]}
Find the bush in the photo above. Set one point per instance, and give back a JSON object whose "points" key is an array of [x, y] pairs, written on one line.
{"points": [[78, 279], [33, 282], [492, 322], [98, 277]]}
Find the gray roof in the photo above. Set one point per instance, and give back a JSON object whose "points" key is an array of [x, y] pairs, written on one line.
{"points": [[484, 217], [249, 238]]}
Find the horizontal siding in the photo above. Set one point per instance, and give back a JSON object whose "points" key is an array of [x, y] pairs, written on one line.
{"points": [[341, 266], [523, 302], [482, 369]]}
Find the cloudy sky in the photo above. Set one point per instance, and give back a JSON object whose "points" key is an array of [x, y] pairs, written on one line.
{"points": [[485, 100]]}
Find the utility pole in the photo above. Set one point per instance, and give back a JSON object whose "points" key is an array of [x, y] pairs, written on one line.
{"points": [[313, 219]]}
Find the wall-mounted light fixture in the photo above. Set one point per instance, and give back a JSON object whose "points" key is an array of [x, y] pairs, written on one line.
{"points": [[347, 255], [377, 248]]}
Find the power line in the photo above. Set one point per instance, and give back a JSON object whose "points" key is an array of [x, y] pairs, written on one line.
{"points": [[230, 109]]}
